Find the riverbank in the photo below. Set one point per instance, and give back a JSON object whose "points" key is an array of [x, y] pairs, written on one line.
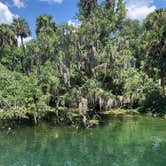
{"points": [[74, 119], [64, 117]]}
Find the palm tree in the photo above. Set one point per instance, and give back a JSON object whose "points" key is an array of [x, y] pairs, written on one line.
{"points": [[156, 19], [155, 25], [86, 7], [45, 24], [7, 36], [21, 29]]}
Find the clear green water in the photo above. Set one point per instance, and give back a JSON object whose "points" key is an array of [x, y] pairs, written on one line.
{"points": [[125, 142]]}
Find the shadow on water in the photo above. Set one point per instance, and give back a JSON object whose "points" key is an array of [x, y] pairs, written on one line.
{"points": [[139, 141]]}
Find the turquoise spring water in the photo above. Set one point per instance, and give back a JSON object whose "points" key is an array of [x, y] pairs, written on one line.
{"points": [[134, 141]]}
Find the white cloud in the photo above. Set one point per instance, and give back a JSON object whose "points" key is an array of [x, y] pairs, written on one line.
{"points": [[25, 40], [139, 2], [18, 3], [6, 16], [55, 1], [139, 9], [74, 23], [139, 13]]}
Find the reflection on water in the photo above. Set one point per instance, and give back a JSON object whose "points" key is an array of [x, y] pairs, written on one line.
{"points": [[126, 142]]}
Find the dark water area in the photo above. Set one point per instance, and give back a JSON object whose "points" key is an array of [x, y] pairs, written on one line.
{"points": [[134, 141]]}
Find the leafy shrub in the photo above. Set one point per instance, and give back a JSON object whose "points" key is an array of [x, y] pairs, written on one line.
{"points": [[155, 102]]}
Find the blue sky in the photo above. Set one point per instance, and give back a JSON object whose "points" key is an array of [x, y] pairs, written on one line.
{"points": [[65, 10]]}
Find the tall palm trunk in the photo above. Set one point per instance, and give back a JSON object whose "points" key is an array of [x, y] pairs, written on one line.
{"points": [[23, 47], [22, 43]]}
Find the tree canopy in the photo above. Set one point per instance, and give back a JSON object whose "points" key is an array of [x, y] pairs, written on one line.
{"points": [[76, 72]]}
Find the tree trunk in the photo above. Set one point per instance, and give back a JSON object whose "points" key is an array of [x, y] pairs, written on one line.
{"points": [[22, 43], [162, 83]]}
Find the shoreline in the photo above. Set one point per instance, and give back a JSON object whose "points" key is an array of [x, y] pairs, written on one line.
{"points": [[75, 120]]}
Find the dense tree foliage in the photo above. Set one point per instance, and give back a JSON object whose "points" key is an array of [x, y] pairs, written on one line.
{"points": [[86, 7], [155, 25], [76, 72]]}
